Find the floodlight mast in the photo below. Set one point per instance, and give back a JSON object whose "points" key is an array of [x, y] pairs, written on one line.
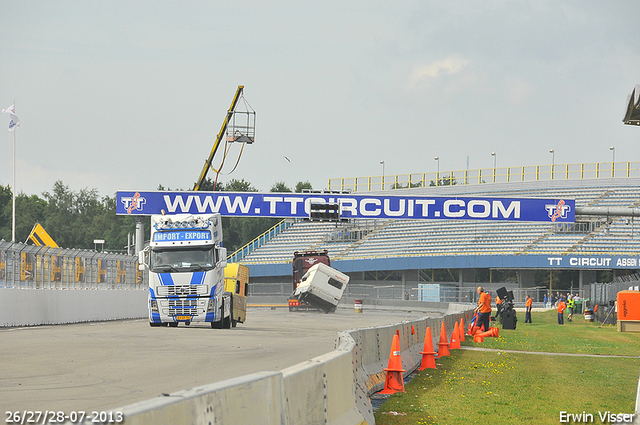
{"points": [[225, 123]]}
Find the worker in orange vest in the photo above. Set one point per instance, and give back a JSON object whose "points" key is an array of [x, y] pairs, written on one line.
{"points": [[527, 314], [499, 308], [483, 309], [561, 308]]}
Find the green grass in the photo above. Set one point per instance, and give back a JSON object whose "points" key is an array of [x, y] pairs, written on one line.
{"points": [[499, 387], [578, 337]]}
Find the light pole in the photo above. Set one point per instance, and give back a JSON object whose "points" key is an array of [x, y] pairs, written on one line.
{"points": [[382, 162], [437, 158], [553, 161], [493, 154], [613, 159]]}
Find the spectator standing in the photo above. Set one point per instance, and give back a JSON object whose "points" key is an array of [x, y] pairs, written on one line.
{"points": [[561, 308], [528, 306]]}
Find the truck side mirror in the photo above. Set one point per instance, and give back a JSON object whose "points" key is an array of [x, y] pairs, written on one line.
{"points": [[143, 259], [223, 257]]}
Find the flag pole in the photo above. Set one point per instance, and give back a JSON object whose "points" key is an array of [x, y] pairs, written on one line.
{"points": [[13, 206]]}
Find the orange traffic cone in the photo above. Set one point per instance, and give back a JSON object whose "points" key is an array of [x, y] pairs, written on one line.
{"points": [[484, 334], [455, 339], [443, 345], [496, 332], [461, 330], [428, 355], [394, 381], [474, 330], [478, 338]]}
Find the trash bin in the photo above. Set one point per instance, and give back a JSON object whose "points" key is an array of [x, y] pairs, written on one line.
{"points": [[358, 306], [578, 308], [588, 315]]}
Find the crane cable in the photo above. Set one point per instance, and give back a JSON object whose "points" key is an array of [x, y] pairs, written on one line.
{"points": [[226, 149], [224, 157]]}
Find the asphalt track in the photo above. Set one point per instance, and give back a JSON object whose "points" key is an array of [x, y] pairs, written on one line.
{"points": [[105, 365]]}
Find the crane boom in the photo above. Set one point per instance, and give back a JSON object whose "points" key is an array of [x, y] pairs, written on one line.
{"points": [[225, 123]]}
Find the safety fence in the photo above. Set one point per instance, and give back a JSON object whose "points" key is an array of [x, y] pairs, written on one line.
{"points": [[597, 170], [25, 266], [432, 292], [605, 293]]}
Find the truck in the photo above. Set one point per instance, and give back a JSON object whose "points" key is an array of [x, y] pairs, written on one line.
{"points": [[322, 286], [186, 261], [236, 278], [302, 262]]}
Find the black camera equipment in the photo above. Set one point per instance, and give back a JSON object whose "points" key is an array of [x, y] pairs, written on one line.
{"points": [[506, 312]]}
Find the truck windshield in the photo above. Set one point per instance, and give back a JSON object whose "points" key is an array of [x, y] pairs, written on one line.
{"points": [[196, 259]]}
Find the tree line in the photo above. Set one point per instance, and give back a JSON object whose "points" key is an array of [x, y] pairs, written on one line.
{"points": [[74, 219]]}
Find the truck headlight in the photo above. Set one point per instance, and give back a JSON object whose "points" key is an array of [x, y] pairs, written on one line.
{"points": [[154, 305], [212, 305]]}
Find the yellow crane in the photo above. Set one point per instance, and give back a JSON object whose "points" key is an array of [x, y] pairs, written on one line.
{"points": [[239, 133]]}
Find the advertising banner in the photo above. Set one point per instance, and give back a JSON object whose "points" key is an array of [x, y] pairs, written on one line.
{"points": [[297, 205]]}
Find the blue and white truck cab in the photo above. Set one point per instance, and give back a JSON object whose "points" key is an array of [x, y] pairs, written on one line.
{"points": [[186, 262]]}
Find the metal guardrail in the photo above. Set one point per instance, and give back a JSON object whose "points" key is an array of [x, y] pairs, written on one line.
{"points": [[25, 266], [549, 172], [259, 241]]}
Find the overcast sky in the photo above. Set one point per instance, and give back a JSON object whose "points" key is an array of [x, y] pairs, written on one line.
{"points": [[126, 95]]}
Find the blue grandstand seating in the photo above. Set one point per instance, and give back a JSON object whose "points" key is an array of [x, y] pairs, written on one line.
{"points": [[398, 238]]}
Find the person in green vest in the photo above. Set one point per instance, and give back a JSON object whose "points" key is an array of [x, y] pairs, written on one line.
{"points": [[570, 306]]}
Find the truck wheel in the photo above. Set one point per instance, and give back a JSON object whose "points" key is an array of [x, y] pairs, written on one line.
{"points": [[234, 322], [173, 324], [154, 325], [226, 322], [220, 323]]}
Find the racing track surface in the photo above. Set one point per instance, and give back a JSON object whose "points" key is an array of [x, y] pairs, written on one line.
{"points": [[105, 365]]}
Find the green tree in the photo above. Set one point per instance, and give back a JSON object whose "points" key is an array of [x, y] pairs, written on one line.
{"points": [[6, 201], [235, 185], [445, 181], [300, 186], [207, 185], [29, 211], [280, 187]]}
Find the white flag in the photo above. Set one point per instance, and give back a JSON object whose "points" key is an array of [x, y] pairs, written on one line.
{"points": [[14, 121]]}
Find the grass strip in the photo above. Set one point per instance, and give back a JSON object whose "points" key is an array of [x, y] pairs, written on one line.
{"points": [[498, 387]]}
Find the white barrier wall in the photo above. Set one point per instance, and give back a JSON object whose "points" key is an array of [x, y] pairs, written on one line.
{"points": [[28, 307], [333, 388]]}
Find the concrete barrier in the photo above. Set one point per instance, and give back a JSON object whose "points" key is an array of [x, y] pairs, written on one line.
{"points": [[333, 388], [29, 307], [256, 398]]}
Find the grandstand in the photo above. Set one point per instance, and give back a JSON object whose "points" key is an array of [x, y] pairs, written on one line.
{"points": [[412, 245]]}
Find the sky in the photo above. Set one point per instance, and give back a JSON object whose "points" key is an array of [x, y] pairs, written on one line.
{"points": [[129, 95]]}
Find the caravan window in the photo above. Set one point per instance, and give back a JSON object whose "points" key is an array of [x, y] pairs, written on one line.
{"points": [[335, 283]]}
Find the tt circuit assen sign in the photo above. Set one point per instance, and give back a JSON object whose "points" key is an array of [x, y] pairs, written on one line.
{"points": [[297, 205]]}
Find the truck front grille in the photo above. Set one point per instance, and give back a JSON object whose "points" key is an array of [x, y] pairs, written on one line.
{"points": [[183, 307], [181, 290]]}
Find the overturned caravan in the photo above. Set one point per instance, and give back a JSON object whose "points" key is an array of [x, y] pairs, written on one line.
{"points": [[322, 286]]}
